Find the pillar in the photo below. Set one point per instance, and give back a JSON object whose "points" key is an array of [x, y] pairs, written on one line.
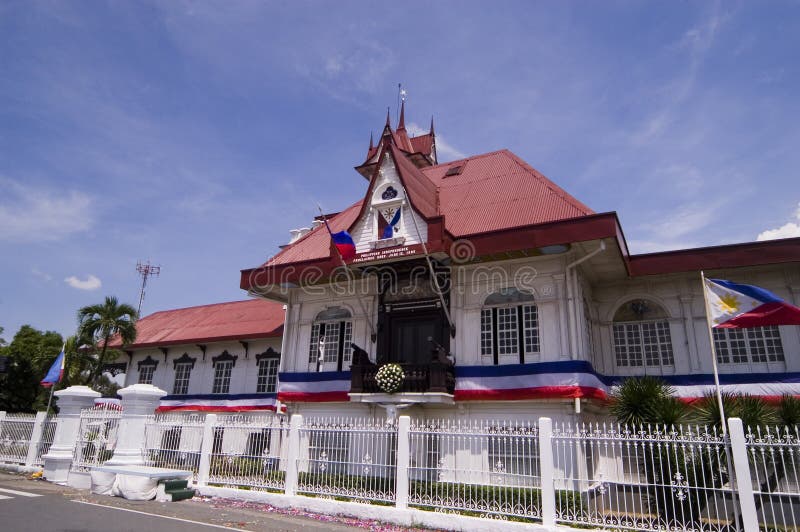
{"points": [[71, 401], [139, 402]]}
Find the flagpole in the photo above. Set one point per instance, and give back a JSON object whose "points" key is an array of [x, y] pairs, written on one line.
{"points": [[430, 266], [53, 386], [374, 335], [713, 355]]}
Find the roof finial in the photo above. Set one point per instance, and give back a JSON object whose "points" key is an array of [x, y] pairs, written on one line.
{"points": [[388, 119], [431, 125], [401, 124], [371, 142]]}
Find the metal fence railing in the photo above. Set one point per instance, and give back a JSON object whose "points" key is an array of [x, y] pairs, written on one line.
{"points": [[350, 458], [489, 469], [248, 452], [174, 441], [16, 431], [645, 478], [49, 425], [97, 437], [774, 456]]}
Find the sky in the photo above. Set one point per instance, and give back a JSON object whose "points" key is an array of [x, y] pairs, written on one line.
{"points": [[195, 135]]}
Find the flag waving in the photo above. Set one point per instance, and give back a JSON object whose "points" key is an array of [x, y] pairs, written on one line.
{"points": [[735, 306], [56, 371]]}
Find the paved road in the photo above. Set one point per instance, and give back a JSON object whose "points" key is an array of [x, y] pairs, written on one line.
{"points": [[29, 505]]}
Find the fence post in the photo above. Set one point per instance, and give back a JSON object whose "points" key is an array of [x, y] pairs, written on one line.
{"points": [[547, 469], [403, 456], [36, 438], [744, 483], [206, 448], [139, 402], [293, 454], [71, 401]]}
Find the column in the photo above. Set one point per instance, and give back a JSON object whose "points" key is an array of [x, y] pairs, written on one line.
{"points": [[139, 402], [71, 401]]}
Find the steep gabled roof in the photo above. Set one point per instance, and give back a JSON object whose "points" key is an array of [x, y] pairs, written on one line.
{"points": [[495, 191], [498, 191], [234, 320]]}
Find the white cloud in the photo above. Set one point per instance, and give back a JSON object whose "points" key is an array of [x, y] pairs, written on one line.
{"points": [[787, 230], [41, 275], [29, 213], [91, 282], [444, 150]]}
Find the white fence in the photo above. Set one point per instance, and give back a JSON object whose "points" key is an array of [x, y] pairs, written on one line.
{"points": [[97, 437], [24, 438], [602, 476]]}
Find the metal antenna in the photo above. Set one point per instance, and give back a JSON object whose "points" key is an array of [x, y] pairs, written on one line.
{"points": [[145, 270]]}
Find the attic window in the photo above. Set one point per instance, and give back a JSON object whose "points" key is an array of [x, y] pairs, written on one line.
{"points": [[454, 170]]}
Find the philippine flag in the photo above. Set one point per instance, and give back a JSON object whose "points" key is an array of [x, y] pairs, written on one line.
{"points": [[56, 371], [737, 306], [344, 243]]}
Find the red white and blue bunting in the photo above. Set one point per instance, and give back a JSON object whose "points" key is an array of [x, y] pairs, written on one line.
{"points": [[219, 403], [545, 380]]}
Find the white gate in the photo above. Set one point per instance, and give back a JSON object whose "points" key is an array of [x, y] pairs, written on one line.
{"points": [[97, 436]]}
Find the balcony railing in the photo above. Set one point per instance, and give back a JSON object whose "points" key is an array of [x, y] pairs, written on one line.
{"points": [[419, 378]]}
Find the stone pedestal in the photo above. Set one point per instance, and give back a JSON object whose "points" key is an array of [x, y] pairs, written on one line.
{"points": [[139, 402], [71, 401]]}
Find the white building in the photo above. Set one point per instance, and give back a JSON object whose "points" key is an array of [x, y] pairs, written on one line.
{"points": [[540, 307], [222, 357]]}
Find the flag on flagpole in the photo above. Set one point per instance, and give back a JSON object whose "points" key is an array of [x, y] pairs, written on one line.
{"points": [[344, 244], [735, 306], [56, 371]]}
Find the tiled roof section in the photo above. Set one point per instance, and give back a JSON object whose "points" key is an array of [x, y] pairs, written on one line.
{"points": [[422, 144], [422, 191], [253, 318], [316, 244], [496, 191], [493, 191]]}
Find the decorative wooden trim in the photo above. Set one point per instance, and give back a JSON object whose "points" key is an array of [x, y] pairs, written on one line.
{"points": [[246, 346], [223, 357], [184, 359], [203, 349], [147, 362], [164, 350], [269, 353]]}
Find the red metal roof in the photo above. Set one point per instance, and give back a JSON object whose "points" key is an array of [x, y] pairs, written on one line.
{"points": [[493, 192], [235, 320]]}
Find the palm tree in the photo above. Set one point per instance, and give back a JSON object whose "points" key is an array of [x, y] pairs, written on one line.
{"points": [[100, 323], [646, 400]]}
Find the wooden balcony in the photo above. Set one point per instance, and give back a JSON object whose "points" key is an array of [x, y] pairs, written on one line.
{"points": [[435, 377]]}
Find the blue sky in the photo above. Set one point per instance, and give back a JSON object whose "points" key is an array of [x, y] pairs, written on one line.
{"points": [[196, 134]]}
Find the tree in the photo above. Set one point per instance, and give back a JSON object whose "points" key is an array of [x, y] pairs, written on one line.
{"points": [[101, 323], [30, 354], [646, 401]]}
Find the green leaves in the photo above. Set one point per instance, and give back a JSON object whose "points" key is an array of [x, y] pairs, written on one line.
{"points": [[646, 400]]}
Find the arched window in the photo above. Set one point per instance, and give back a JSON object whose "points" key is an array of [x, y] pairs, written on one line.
{"points": [[509, 327], [331, 335], [641, 335]]}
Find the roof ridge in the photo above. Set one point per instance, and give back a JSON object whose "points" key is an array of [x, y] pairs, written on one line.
{"points": [[468, 158], [201, 306], [551, 185]]}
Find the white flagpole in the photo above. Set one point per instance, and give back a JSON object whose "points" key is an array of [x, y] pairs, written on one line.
{"points": [[350, 276], [435, 279], [53, 386], [709, 326]]}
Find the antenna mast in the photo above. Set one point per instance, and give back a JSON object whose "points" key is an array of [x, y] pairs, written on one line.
{"points": [[145, 270]]}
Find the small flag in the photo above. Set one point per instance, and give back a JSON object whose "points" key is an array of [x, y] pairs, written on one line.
{"points": [[344, 243], [736, 306], [56, 371], [388, 231]]}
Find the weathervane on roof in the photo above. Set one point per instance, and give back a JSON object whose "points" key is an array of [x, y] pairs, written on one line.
{"points": [[145, 270]]}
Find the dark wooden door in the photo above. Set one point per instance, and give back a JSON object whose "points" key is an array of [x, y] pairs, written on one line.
{"points": [[410, 339]]}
